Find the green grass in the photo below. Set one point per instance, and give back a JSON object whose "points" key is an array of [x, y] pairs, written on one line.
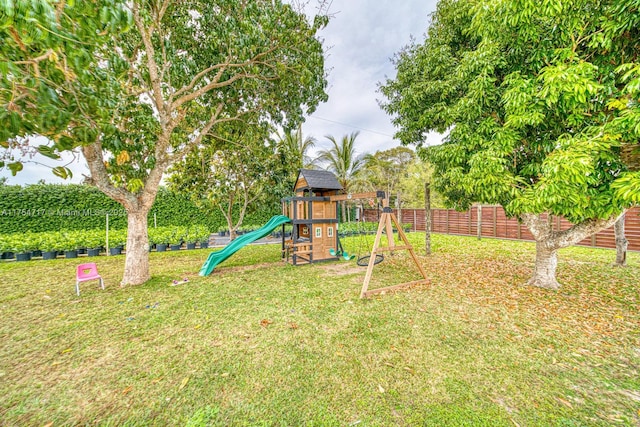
{"points": [[260, 342]]}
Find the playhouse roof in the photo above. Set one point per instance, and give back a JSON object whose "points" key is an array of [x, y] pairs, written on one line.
{"points": [[319, 179]]}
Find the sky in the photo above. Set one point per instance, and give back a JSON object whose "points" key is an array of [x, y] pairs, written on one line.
{"points": [[360, 41]]}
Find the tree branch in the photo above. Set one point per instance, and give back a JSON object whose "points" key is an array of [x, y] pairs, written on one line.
{"points": [[152, 66], [100, 177], [215, 83]]}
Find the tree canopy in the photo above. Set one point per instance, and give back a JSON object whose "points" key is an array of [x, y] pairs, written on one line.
{"points": [[148, 96], [47, 60], [231, 171], [539, 101]]}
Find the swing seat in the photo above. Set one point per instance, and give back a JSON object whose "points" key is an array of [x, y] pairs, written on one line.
{"points": [[364, 260], [333, 252], [347, 257]]}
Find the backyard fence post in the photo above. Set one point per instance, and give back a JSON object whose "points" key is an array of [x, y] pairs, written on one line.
{"points": [[155, 221], [427, 218], [479, 222]]}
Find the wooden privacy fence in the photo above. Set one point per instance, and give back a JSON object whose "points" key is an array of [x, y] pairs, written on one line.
{"points": [[491, 221]]}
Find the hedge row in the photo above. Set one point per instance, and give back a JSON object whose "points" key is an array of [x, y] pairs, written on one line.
{"points": [[52, 207]]}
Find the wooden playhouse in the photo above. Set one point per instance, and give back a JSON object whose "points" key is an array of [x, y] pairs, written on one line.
{"points": [[314, 216]]}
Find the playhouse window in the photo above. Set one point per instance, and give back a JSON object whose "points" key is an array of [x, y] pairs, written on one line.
{"points": [[319, 232], [330, 232]]}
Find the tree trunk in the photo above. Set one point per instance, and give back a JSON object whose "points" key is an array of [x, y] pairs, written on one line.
{"points": [[621, 242], [136, 264], [544, 273], [548, 242]]}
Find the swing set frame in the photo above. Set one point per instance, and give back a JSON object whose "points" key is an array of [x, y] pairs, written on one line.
{"points": [[385, 224]]}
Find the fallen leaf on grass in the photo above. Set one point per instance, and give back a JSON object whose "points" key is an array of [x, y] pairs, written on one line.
{"points": [[183, 383], [197, 327], [565, 403], [293, 325], [265, 322], [127, 389], [380, 388], [156, 380], [48, 424]]}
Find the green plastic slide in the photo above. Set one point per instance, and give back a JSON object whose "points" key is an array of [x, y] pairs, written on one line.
{"points": [[240, 242]]}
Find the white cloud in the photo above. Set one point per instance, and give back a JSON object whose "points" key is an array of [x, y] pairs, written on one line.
{"points": [[361, 39]]}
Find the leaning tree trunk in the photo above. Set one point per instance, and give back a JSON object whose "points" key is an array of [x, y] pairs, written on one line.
{"points": [[621, 242], [136, 264], [549, 241]]}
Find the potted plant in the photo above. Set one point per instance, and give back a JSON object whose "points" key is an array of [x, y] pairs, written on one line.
{"points": [[50, 244], [22, 245], [153, 234], [203, 236], [70, 244], [4, 245], [161, 237], [222, 230], [93, 240], [117, 240], [37, 245], [176, 238], [191, 237]]}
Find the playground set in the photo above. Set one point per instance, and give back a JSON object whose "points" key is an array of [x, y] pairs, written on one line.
{"points": [[313, 212]]}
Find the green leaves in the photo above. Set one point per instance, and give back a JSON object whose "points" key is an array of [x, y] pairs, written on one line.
{"points": [[536, 111], [627, 188], [48, 151], [62, 172], [15, 167]]}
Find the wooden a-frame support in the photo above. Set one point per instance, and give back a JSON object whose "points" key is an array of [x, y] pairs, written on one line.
{"points": [[386, 220]]}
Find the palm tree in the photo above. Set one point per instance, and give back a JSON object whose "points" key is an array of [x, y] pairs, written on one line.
{"points": [[342, 160], [296, 148]]}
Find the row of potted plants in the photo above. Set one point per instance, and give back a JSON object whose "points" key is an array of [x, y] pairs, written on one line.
{"points": [[50, 244]]}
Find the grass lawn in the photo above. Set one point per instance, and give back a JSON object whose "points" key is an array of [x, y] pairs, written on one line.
{"points": [[260, 342]]}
